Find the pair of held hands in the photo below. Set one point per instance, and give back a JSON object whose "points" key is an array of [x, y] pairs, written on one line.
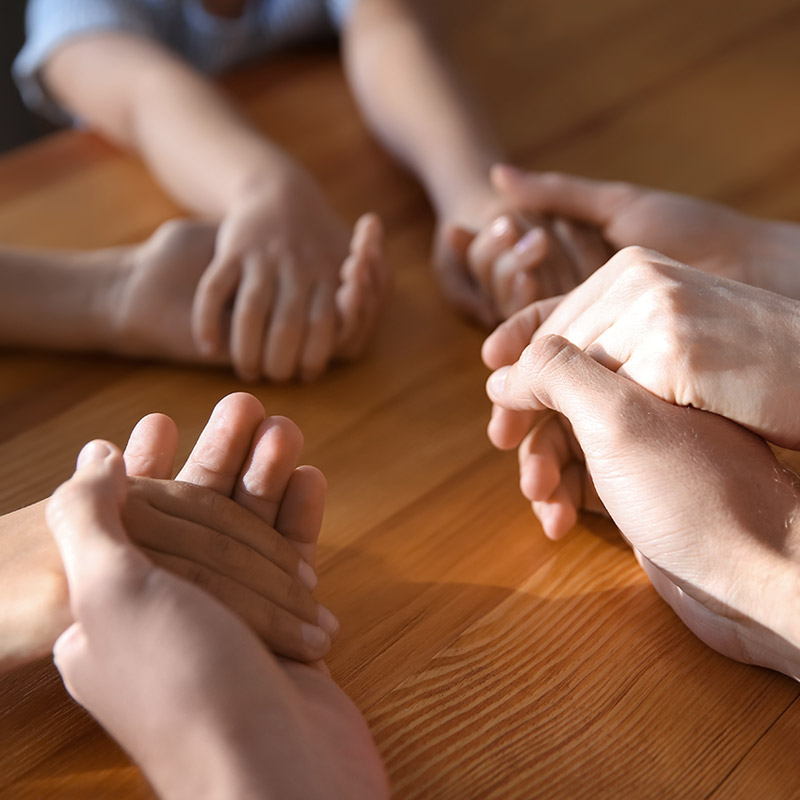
{"points": [[661, 471], [150, 654], [281, 288], [709, 511], [547, 232], [632, 362]]}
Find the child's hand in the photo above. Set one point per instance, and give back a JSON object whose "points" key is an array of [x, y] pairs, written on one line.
{"points": [[512, 259], [283, 265], [150, 303]]}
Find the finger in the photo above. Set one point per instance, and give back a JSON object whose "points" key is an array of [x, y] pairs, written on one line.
{"points": [[558, 272], [285, 632], [288, 325], [84, 517], [487, 246], [300, 514], [455, 279], [320, 335], [542, 456], [224, 444], [370, 241], [151, 447], [558, 514], [251, 312], [554, 373], [514, 276], [553, 193], [504, 345], [213, 292], [364, 285], [586, 248], [269, 466], [508, 428], [70, 653], [208, 528]]}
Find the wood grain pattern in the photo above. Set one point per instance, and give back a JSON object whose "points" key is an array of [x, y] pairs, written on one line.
{"points": [[489, 662]]}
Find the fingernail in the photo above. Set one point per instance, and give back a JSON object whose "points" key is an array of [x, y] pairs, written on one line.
{"points": [[501, 226], [497, 382], [532, 239], [511, 170], [93, 452], [313, 636], [307, 576], [327, 621]]}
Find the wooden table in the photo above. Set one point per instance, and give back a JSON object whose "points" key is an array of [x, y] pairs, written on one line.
{"points": [[488, 661]]}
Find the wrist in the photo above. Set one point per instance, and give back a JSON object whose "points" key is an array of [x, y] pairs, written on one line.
{"points": [[470, 201], [772, 637], [274, 172], [108, 273]]}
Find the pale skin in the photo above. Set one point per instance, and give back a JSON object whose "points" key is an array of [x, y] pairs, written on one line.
{"points": [[195, 698], [706, 235], [280, 249], [270, 292], [422, 113], [688, 337], [137, 301], [240, 520], [711, 514]]}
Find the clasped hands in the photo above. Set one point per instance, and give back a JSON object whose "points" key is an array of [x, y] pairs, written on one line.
{"points": [[665, 382]]}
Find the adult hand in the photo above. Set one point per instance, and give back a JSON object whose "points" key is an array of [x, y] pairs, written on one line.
{"points": [[183, 685], [709, 511], [690, 338], [240, 520]]}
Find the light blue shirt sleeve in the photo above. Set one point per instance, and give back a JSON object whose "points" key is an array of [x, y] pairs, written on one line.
{"points": [[339, 11], [51, 23]]}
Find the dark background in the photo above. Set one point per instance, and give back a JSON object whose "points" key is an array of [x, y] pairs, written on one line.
{"points": [[17, 126]]}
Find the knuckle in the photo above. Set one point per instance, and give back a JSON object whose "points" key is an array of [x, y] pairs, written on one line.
{"points": [[549, 352], [632, 256], [296, 597]]}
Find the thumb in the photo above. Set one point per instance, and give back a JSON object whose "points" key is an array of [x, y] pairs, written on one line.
{"points": [[591, 202], [553, 373], [506, 343], [84, 516]]}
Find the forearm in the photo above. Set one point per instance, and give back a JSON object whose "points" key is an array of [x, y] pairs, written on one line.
{"points": [[415, 104], [201, 149], [57, 300], [33, 592]]}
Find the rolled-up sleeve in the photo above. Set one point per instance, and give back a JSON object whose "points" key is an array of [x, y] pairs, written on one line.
{"points": [[51, 23]]}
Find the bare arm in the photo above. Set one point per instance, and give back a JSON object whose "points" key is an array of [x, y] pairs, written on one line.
{"points": [[415, 104], [53, 299], [203, 151]]}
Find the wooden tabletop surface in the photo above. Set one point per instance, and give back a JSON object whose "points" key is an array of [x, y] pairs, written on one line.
{"points": [[490, 662]]}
